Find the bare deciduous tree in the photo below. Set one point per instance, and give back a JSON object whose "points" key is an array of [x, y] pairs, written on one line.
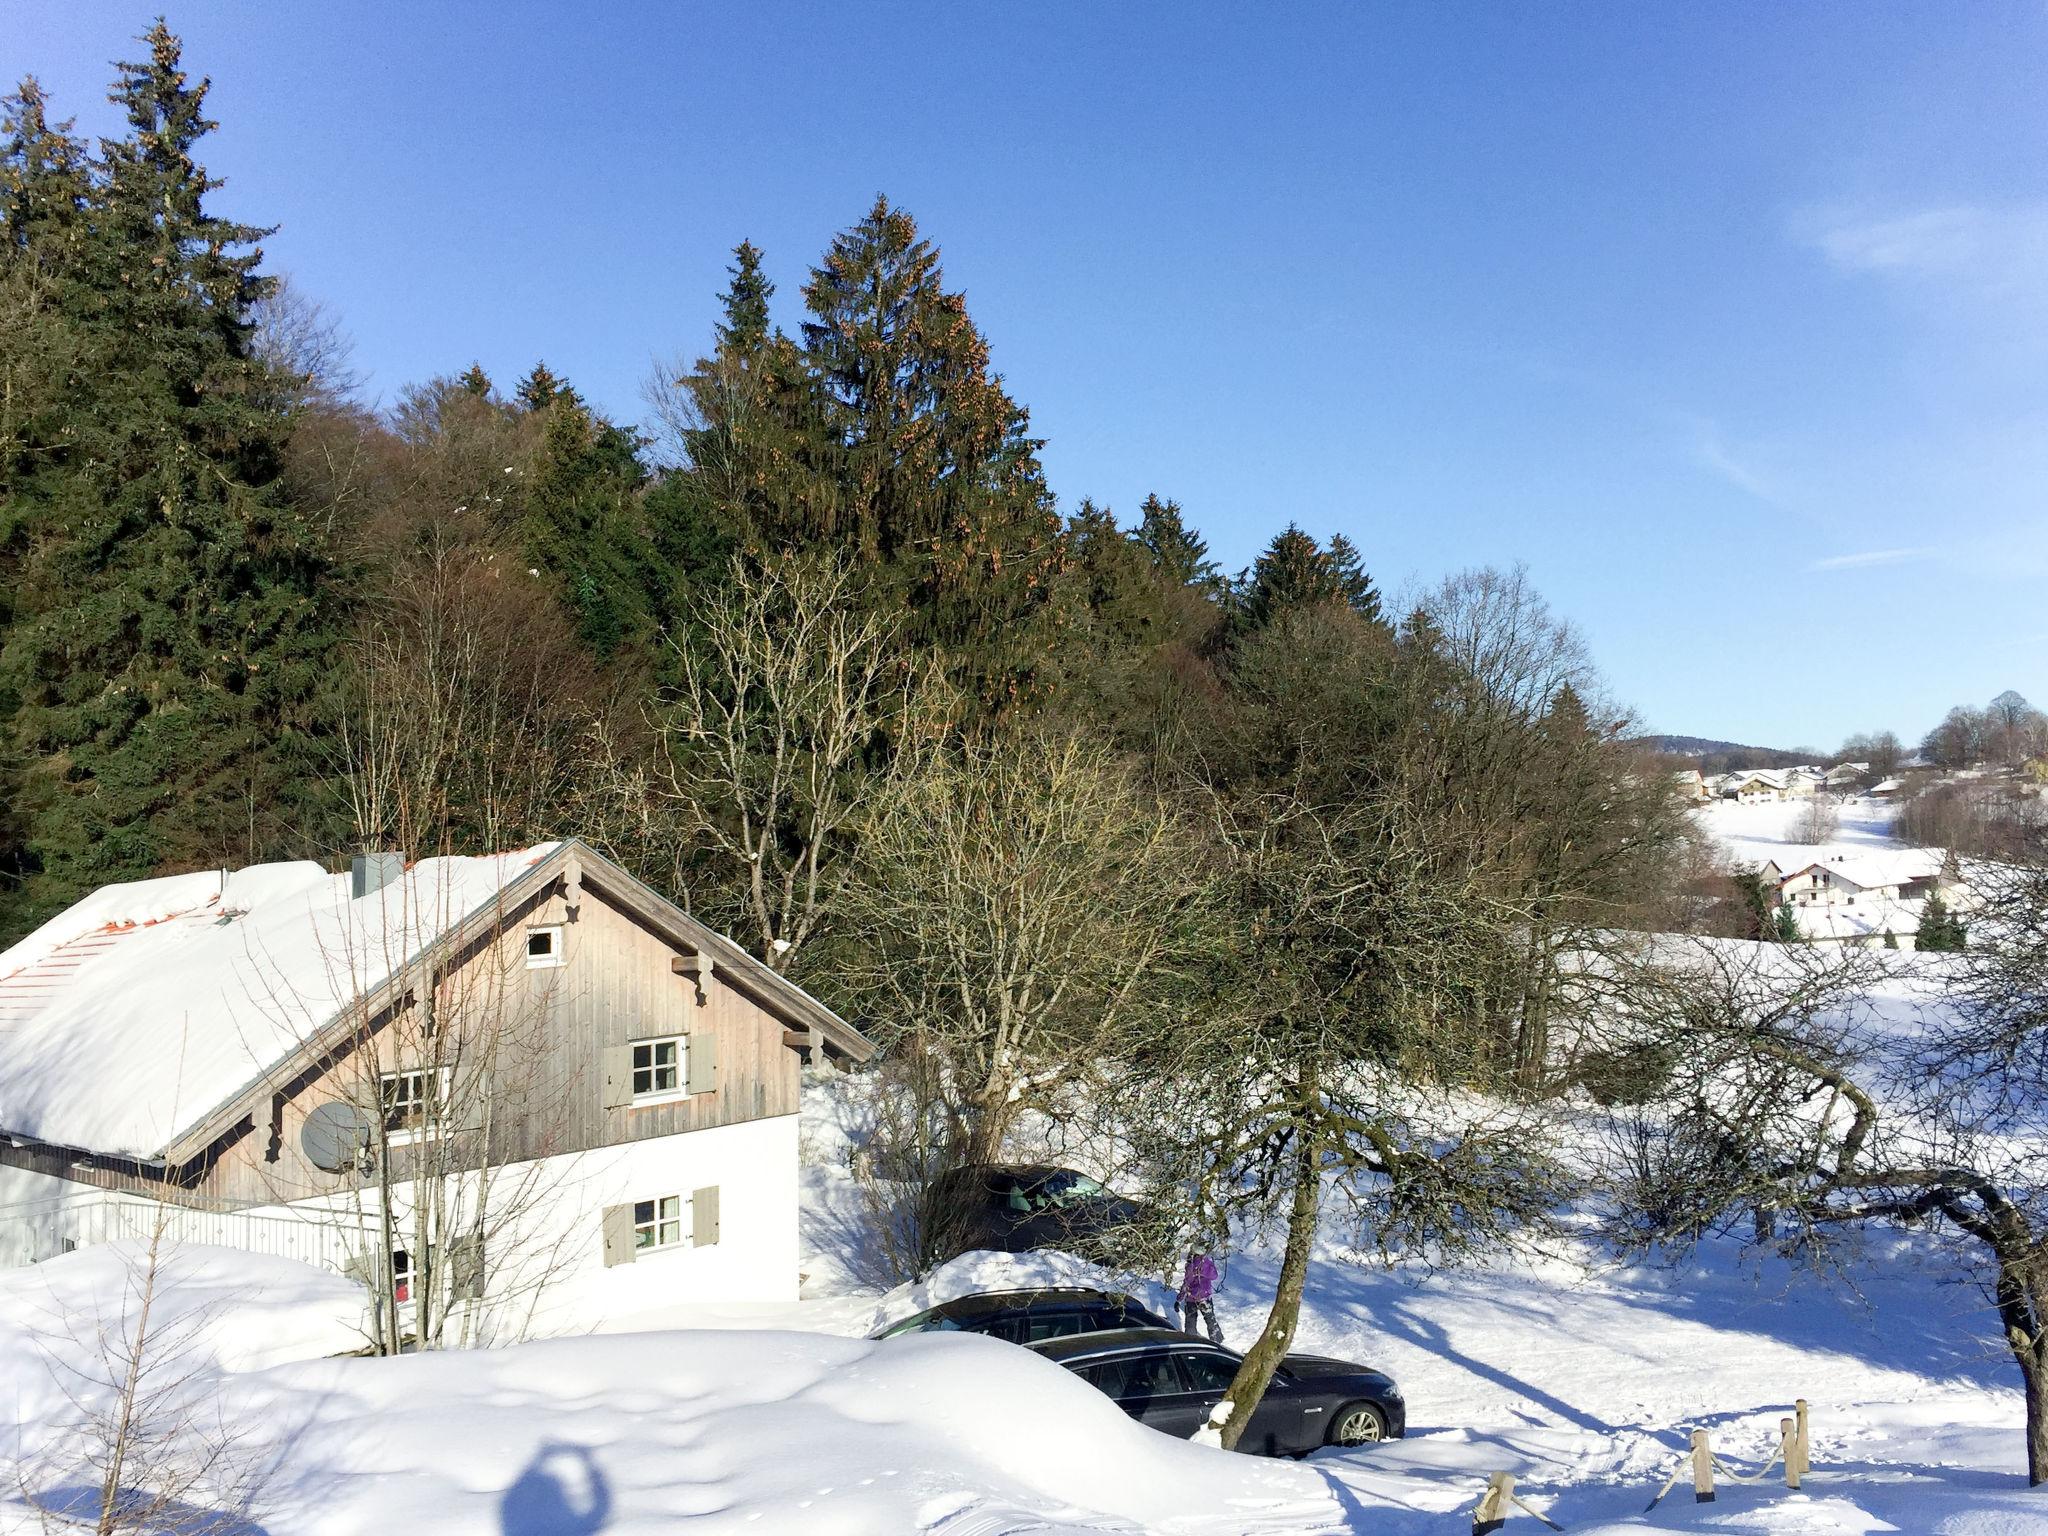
{"points": [[794, 696], [1818, 820], [1791, 1110], [1026, 909], [1340, 1059], [143, 1444]]}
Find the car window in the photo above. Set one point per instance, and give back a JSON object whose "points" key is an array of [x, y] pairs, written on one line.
{"points": [[1206, 1372], [1136, 1378], [1008, 1326], [1058, 1324], [1063, 1188]]}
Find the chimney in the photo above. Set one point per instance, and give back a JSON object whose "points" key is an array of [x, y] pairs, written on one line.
{"points": [[369, 873]]}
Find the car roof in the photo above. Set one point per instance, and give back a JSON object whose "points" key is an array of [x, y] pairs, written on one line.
{"points": [[1111, 1341], [1041, 1296], [1016, 1170]]}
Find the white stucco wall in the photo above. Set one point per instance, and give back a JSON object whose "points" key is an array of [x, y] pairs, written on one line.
{"points": [[42, 1215], [754, 1168], [545, 1259]]}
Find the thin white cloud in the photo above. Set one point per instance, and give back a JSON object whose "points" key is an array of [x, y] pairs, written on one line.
{"points": [[1869, 557], [1711, 449], [1997, 251]]}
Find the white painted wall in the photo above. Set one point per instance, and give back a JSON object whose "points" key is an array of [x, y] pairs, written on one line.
{"points": [[753, 1165], [42, 1215], [19, 1184], [546, 1270]]}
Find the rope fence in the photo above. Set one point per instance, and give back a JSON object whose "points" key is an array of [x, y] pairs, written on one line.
{"points": [[1793, 1452]]}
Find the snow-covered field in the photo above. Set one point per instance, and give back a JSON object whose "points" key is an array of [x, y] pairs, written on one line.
{"points": [[1582, 1381], [1765, 830]]}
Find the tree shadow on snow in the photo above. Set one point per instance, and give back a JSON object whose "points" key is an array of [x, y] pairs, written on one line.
{"points": [[562, 1492], [141, 1512]]}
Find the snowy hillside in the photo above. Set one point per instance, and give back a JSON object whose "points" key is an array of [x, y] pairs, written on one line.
{"points": [[1582, 1381], [1765, 829]]}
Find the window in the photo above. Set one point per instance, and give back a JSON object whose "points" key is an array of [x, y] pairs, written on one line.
{"points": [[658, 1223], [409, 1099], [1207, 1373], [658, 1068], [1052, 1325], [543, 947], [1136, 1378]]}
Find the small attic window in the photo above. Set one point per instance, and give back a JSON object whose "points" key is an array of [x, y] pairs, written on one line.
{"points": [[543, 947]]}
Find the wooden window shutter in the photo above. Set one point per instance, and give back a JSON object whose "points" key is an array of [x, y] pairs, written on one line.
{"points": [[704, 1216], [618, 1076], [618, 1235], [703, 1062]]}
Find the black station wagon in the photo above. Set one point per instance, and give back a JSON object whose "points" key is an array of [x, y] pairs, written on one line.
{"points": [[1170, 1381]]}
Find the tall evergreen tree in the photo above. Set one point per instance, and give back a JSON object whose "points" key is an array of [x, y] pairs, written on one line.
{"points": [[541, 389], [1352, 581], [933, 465], [476, 381], [583, 528], [744, 326], [1126, 605], [168, 653], [1180, 556], [1292, 571], [45, 181]]}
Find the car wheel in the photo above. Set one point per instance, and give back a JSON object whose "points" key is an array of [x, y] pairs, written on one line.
{"points": [[1358, 1424]]}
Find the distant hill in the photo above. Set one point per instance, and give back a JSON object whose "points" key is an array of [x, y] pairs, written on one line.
{"points": [[1721, 756]]}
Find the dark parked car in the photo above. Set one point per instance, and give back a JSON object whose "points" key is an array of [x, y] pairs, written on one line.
{"points": [[1170, 1381], [1027, 1317], [1013, 1208]]}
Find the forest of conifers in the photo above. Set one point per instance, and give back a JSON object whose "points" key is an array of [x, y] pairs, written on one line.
{"points": [[822, 613]]}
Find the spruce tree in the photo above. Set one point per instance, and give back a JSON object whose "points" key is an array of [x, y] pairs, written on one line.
{"points": [[45, 182], [1352, 582], [541, 389], [932, 465], [1113, 575], [583, 529], [1180, 557], [1291, 571], [168, 654], [744, 328], [476, 381]]}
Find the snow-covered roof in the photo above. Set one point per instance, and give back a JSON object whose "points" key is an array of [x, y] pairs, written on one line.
{"points": [[131, 1016], [1770, 776], [1877, 868], [1888, 787], [1880, 915]]}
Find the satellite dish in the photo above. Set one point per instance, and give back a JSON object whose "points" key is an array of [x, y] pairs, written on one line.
{"points": [[334, 1136]]}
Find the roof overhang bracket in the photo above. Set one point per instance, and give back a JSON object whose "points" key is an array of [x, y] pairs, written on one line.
{"points": [[697, 968]]}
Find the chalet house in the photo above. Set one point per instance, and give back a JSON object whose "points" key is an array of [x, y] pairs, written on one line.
{"points": [[285, 1050], [1862, 897], [1689, 784], [1752, 788], [1845, 775]]}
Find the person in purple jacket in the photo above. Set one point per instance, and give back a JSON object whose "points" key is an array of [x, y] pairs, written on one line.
{"points": [[1198, 1296]]}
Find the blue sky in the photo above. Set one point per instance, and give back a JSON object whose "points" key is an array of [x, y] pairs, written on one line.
{"points": [[1730, 321]]}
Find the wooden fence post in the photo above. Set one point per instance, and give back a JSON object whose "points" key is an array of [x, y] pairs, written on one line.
{"points": [[1494, 1504], [1805, 1447], [1702, 1468], [1788, 1447]]}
